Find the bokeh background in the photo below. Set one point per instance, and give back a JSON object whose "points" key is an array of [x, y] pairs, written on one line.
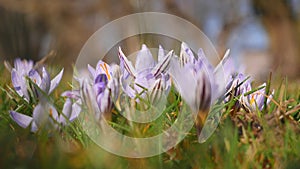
{"points": [[263, 35]]}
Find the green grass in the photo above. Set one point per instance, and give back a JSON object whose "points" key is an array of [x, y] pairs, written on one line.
{"points": [[269, 139]]}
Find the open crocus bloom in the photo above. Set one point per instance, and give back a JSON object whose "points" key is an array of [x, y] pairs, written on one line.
{"points": [[45, 115], [23, 69], [42, 116], [43, 110], [255, 100], [147, 77], [99, 91]]}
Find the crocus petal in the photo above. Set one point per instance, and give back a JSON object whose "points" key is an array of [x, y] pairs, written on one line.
{"points": [[261, 98], [88, 96], [156, 91], [18, 64], [128, 89], [15, 78], [116, 71], [23, 66], [67, 109], [113, 85], [125, 64], [184, 82], [17, 83], [144, 59], [92, 71], [22, 119], [186, 55], [45, 83], [34, 76], [39, 114], [104, 102], [223, 74], [76, 109], [204, 62], [74, 94], [221, 64], [52, 112], [161, 53], [34, 127], [163, 65], [43, 113], [203, 92], [104, 68], [55, 81]]}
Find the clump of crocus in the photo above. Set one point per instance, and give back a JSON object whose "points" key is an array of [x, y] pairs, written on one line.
{"points": [[148, 79], [239, 86], [30, 85], [97, 91]]}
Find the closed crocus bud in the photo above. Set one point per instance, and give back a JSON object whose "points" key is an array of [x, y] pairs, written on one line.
{"points": [[194, 85], [195, 79], [88, 97]]}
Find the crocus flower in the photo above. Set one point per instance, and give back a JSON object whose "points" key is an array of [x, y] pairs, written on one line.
{"points": [[43, 115], [25, 69], [148, 76], [97, 91], [19, 72], [43, 110], [237, 85], [255, 100], [70, 111], [195, 79]]}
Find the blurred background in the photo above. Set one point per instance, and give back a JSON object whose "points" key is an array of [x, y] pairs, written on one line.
{"points": [[263, 35]]}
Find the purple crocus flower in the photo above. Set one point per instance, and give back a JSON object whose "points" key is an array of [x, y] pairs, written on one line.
{"points": [[43, 110], [43, 115], [25, 69], [99, 91], [148, 76], [255, 101], [195, 79], [19, 72], [237, 85], [71, 111]]}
